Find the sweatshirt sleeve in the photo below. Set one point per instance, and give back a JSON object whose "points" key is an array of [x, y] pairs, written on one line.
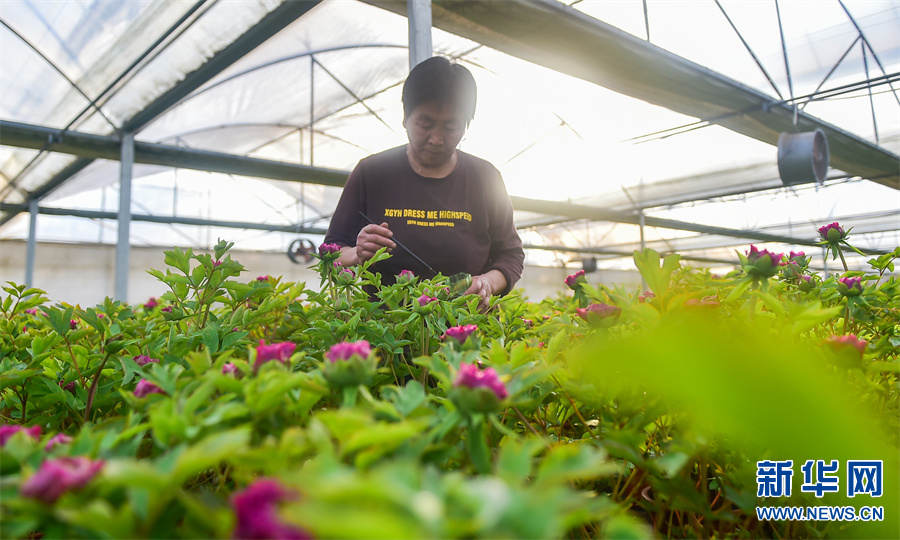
{"points": [[346, 222], [506, 254]]}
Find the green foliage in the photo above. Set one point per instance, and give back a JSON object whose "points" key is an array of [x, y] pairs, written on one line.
{"points": [[649, 425]]}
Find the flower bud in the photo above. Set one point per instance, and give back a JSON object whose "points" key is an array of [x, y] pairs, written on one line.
{"points": [[151, 303], [349, 364], [832, 232], [276, 351], [229, 369], [762, 263], [850, 341], [406, 276], [145, 388], [329, 249], [59, 438], [424, 304], [256, 512], [460, 333], [8, 431], [600, 314], [57, 476], [575, 280], [850, 286], [806, 283], [142, 360], [477, 391]]}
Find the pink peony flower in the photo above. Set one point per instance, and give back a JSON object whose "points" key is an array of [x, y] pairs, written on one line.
{"points": [[647, 295], [229, 369], [145, 388], [832, 232], [263, 278], [167, 309], [59, 438], [256, 512], [850, 286], [838, 343], [70, 386], [102, 316], [471, 377], [574, 280], [152, 303], [8, 431], [460, 333], [347, 349], [425, 300], [598, 311], [216, 263], [57, 476], [276, 351], [408, 274], [31, 311], [325, 249], [142, 360], [73, 324], [805, 283]]}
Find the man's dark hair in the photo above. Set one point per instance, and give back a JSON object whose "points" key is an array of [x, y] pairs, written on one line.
{"points": [[439, 81]]}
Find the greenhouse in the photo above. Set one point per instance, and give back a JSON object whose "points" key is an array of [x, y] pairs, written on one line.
{"points": [[703, 196]]}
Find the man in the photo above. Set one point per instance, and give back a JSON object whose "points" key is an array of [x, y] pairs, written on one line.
{"points": [[448, 207]]}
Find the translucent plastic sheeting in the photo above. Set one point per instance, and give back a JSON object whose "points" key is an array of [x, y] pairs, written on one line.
{"points": [[326, 91]]}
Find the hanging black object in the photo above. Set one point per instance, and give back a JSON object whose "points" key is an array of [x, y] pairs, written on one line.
{"points": [[802, 157], [301, 251], [589, 265]]}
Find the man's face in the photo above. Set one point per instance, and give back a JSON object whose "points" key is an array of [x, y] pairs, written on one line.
{"points": [[434, 131]]}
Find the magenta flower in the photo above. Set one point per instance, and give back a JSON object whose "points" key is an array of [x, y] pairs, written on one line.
{"points": [[229, 369], [8, 431], [576, 279], [407, 274], [348, 349], [263, 278], [597, 312], [59, 438], [647, 295], [256, 512], [152, 303], [424, 300], [460, 333], [805, 283], [832, 232], [470, 376], [145, 388], [216, 263], [70, 386], [73, 324], [850, 286], [167, 309], [761, 262], [31, 311], [102, 316], [839, 343], [57, 476], [142, 360], [327, 249], [276, 351]]}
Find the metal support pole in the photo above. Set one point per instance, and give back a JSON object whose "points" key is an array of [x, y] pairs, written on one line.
{"points": [[643, 247], [419, 14], [31, 246], [123, 245]]}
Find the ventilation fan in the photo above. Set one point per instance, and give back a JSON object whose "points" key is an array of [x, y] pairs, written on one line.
{"points": [[301, 251]]}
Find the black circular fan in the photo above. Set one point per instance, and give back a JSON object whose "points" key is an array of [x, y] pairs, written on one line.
{"points": [[301, 251]]}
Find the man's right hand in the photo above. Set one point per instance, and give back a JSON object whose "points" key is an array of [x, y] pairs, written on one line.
{"points": [[369, 240]]}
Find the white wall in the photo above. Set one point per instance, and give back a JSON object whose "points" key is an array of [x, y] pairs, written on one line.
{"points": [[84, 274]]}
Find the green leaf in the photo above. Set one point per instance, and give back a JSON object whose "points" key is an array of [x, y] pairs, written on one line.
{"points": [[209, 452], [516, 459], [574, 462]]}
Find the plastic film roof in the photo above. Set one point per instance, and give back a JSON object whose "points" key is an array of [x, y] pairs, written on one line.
{"points": [[324, 90]]}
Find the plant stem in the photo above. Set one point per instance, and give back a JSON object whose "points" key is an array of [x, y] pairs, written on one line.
{"points": [[843, 261], [93, 390], [525, 421]]}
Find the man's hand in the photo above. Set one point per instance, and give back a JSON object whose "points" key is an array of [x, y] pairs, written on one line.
{"points": [[485, 286]]}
